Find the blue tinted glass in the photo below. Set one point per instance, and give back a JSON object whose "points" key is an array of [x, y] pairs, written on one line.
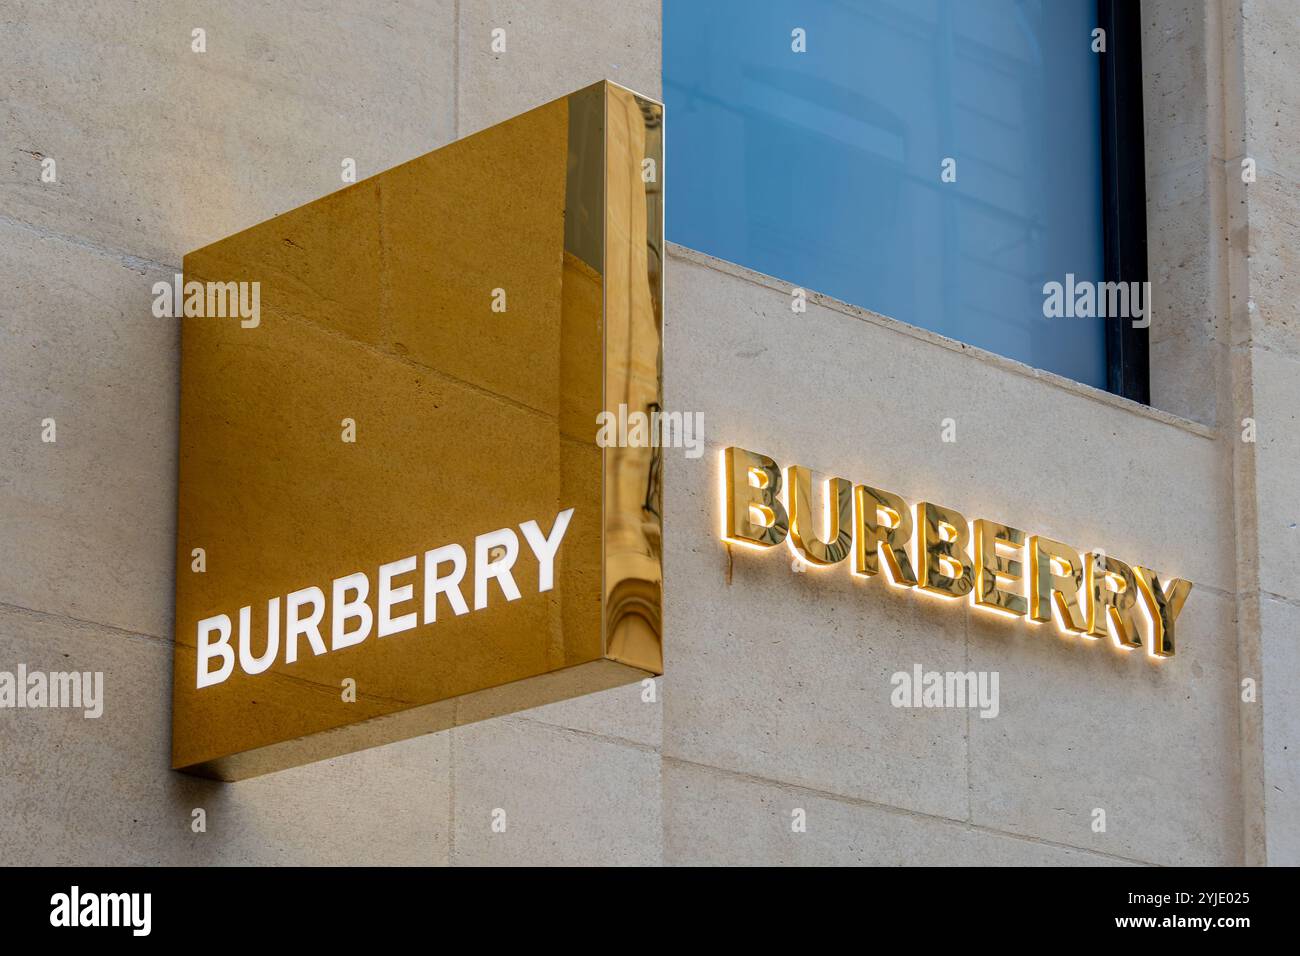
{"points": [[823, 168]]}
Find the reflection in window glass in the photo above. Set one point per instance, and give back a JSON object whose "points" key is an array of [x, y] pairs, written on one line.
{"points": [[824, 168]]}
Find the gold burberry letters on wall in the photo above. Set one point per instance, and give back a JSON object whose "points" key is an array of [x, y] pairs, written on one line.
{"points": [[996, 567], [394, 514]]}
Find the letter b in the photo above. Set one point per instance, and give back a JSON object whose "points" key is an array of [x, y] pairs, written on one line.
{"points": [[209, 650], [755, 515]]}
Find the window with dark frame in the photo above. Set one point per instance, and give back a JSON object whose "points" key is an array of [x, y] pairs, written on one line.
{"points": [[806, 143], [1124, 208]]}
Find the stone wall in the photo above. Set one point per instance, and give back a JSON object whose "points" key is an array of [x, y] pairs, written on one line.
{"points": [[776, 694]]}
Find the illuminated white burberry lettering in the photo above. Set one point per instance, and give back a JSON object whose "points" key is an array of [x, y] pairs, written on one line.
{"points": [[352, 620]]}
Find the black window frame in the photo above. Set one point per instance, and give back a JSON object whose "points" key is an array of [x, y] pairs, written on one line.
{"points": [[1123, 191]]}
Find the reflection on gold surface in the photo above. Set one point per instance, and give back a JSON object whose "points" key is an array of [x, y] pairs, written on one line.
{"points": [[1112, 600], [942, 546], [883, 527], [1163, 600], [1091, 594], [993, 571], [633, 374], [755, 515], [833, 543], [442, 526], [1056, 583]]}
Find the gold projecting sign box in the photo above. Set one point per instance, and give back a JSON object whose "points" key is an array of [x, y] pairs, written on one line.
{"points": [[394, 515]]}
